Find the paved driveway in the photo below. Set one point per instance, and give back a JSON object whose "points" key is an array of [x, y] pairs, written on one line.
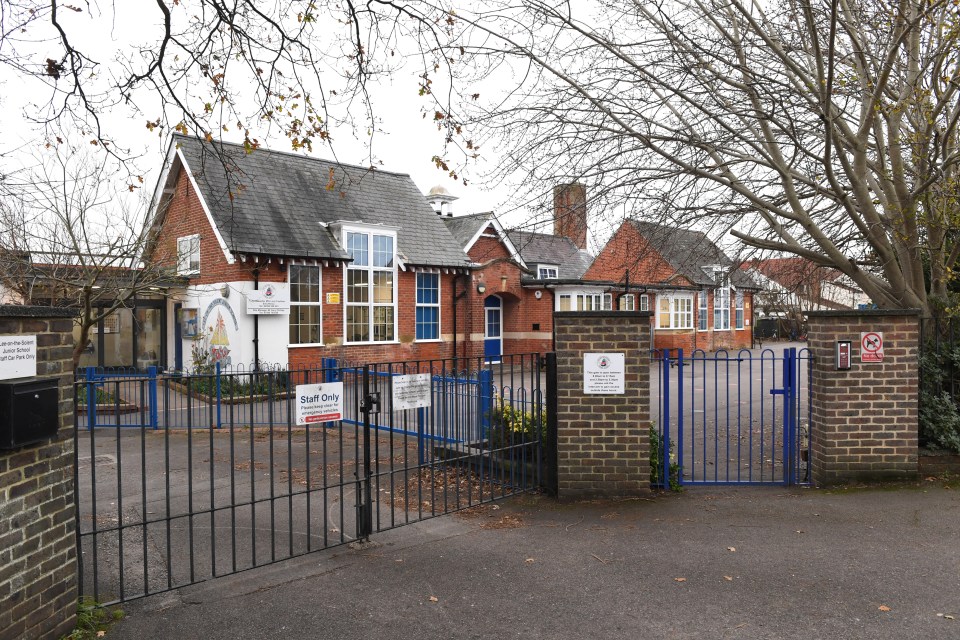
{"points": [[732, 563]]}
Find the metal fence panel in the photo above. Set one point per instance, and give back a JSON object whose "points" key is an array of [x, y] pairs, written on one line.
{"points": [[210, 474]]}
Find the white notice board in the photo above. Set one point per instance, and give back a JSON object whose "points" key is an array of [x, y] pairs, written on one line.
{"points": [[18, 357], [411, 391], [319, 402], [603, 373]]}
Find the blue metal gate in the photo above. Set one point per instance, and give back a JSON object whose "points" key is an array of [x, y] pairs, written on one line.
{"points": [[733, 417]]}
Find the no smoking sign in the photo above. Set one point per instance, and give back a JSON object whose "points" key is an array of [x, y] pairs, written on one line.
{"points": [[871, 346]]}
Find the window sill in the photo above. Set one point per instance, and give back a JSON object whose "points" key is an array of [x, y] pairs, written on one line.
{"points": [[369, 344], [428, 340], [305, 344]]}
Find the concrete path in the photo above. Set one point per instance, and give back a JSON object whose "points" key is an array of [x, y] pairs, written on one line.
{"points": [[725, 563]]}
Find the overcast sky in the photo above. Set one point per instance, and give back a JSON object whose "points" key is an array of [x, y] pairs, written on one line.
{"points": [[407, 144]]}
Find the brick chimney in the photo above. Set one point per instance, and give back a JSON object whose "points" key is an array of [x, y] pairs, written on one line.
{"points": [[570, 212]]}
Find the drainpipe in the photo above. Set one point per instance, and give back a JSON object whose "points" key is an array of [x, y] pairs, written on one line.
{"points": [[256, 325], [453, 305], [553, 324]]}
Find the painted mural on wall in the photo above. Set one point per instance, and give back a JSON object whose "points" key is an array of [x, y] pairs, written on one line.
{"points": [[219, 329]]}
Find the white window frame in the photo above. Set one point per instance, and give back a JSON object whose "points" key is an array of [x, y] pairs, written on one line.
{"points": [[703, 308], [370, 303], [426, 305], [679, 310], [581, 300], [628, 302], [721, 307], [548, 272], [739, 310], [644, 302], [318, 303], [185, 256]]}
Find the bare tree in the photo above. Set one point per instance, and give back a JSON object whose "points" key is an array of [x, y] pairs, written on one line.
{"points": [[824, 129], [68, 239], [214, 68]]}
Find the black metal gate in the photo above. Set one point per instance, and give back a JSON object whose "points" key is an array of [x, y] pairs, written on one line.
{"points": [[223, 479]]}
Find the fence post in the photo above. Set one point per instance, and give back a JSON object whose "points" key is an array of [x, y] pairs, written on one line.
{"points": [[550, 453], [218, 395], [485, 398], [152, 392], [91, 399], [365, 499]]}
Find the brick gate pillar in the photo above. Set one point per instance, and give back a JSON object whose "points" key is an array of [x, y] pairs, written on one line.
{"points": [[864, 422], [603, 443], [38, 544]]}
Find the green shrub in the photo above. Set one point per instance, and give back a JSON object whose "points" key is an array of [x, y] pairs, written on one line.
{"points": [[939, 414], [656, 463], [103, 396], [510, 425]]}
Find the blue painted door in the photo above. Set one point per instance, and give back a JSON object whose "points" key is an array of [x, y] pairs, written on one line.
{"points": [[493, 329]]}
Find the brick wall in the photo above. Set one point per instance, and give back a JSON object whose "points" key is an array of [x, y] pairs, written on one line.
{"points": [[38, 563], [603, 446], [865, 419]]}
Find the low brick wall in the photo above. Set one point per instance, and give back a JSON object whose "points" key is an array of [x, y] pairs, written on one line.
{"points": [[939, 464], [38, 563], [603, 442], [865, 419]]}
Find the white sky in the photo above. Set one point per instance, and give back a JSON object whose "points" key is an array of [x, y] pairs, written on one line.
{"points": [[407, 144]]}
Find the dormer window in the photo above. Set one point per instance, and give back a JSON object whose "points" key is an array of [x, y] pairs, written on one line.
{"points": [[547, 272]]}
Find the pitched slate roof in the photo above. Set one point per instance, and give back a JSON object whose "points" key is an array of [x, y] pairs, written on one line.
{"points": [[464, 228], [688, 251], [280, 199], [544, 248]]}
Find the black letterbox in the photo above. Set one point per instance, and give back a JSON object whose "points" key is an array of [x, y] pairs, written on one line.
{"points": [[29, 411]]}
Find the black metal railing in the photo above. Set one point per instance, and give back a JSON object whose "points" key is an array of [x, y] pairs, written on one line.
{"points": [[939, 395], [213, 472]]}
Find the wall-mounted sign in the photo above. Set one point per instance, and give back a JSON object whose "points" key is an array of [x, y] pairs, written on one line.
{"points": [[188, 323], [319, 402], [333, 298], [411, 391], [871, 346], [603, 373], [268, 300], [18, 357]]}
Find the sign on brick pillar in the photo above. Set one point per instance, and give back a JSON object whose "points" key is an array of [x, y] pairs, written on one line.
{"points": [[864, 418], [603, 403], [38, 562]]}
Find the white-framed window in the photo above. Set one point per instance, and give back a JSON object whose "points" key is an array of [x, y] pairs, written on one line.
{"points": [[188, 255], [547, 272], [675, 311], [644, 302], [428, 306], [583, 301], [702, 299], [306, 304], [627, 302], [721, 307], [739, 310], [370, 286]]}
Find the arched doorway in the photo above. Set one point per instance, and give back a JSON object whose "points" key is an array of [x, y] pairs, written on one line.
{"points": [[492, 329]]}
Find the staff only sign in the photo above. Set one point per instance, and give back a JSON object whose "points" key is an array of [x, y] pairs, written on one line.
{"points": [[319, 402]]}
